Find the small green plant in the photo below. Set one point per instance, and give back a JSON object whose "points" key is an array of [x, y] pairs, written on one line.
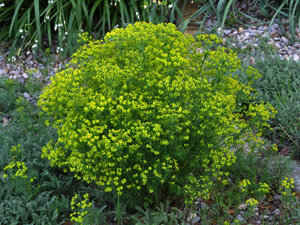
{"points": [[31, 191], [148, 117], [164, 214]]}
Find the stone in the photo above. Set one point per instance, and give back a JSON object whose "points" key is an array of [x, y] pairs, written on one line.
{"points": [[277, 212], [277, 45], [284, 39], [6, 70], [296, 57], [2, 72], [203, 205], [242, 206], [191, 217], [296, 175], [196, 219], [226, 32], [274, 27], [265, 35], [209, 22], [240, 218], [25, 76], [266, 217], [27, 96], [247, 34], [241, 29], [282, 51], [297, 45]]}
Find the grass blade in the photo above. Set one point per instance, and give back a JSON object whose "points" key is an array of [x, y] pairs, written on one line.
{"points": [[18, 5], [206, 7], [229, 4], [37, 20], [277, 12]]}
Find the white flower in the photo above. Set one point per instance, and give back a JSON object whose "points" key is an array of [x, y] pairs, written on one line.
{"points": [[22, 36], [66, 33], [1, 4], [13, 58], [50, 2], [21, 31], [170, 6], [28, 52], [116, 26], [47, 17], [59, 49], [57, 26], [137, 15], [36, 41], [34, 46]]}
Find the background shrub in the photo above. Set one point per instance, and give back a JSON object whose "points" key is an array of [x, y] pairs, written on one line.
{"points": [[147, 116], [37, 24]]}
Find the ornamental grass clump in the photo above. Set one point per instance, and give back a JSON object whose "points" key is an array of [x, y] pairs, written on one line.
{"points": [[151, 114]]}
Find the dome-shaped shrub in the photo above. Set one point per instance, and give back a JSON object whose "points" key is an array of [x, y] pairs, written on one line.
{"points": [[150, 113]]}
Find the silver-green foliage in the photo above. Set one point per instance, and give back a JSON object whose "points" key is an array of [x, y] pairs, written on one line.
{"points": [[280, 86]]}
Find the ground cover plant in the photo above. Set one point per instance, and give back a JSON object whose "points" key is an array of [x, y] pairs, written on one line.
{"points": [[24, 176], [279, 85]]}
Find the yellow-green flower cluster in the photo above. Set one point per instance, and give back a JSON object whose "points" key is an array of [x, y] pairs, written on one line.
{"points": [[20, 166], [287, 185], [144, 112], [264, 188], [252, 201], [15, 167], [81, 206], [243, 185], [274, 147]]}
